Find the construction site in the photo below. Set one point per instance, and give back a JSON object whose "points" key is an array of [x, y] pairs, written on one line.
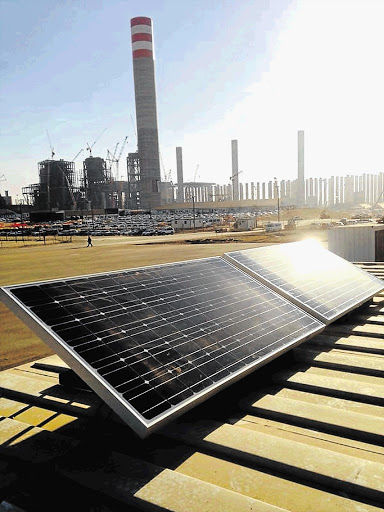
{"points": [[137, 180]]}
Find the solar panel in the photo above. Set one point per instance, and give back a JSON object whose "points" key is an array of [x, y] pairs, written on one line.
{"points": [[314, 278], [153, 342]]}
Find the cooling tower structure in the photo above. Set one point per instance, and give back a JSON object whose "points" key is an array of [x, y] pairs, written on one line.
{"points": [[56, 188], [97, 182], [180, 179], [300, 169], [144, 187]]}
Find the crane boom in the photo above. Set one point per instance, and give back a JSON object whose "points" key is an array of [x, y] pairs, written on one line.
{"points": [[73, 159], [89, 148], [119, 156], [114, 152], [50, 145], [194, 177], [234, 175], [122, 147]]}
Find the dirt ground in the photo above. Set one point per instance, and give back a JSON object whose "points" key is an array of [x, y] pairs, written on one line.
{"points": [[22, 264]]}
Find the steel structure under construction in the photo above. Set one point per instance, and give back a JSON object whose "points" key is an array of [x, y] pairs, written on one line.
{"points": [[134, 180], [98, 184], [56, 189]]}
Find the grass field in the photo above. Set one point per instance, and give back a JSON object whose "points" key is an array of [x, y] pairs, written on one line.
{"points": [[38, 263]]}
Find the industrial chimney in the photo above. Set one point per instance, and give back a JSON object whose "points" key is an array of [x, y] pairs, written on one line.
{"points": [[300, 169], [180, 179], [235, 170], [146, 113]]}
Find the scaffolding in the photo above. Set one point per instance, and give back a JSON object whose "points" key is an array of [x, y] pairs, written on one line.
{"points": [[56, 189], [134, 181], [98, 184], [31, 194]]}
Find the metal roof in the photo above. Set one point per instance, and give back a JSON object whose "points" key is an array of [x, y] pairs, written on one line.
{"points": [[305, 433]]}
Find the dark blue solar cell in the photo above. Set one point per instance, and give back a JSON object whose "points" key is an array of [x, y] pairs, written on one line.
{"points": [[52, 314], [312, 277], [32, 295], [73, 332], [154, 338], [147, 400]]}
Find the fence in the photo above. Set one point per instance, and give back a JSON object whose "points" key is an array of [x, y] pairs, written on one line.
{"points": [[7, 240]]}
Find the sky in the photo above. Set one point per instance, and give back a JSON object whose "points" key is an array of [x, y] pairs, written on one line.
{"points": [[253, 70]]}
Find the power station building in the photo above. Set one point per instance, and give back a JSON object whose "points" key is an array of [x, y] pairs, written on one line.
{"points": [[60, 187], [101, 191], [94, 186], [144, 180], [56, 188]]}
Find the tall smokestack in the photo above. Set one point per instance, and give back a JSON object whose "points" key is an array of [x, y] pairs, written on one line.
{"points": [[235, 170], [146, 112], [180, 179], [300, 169]]}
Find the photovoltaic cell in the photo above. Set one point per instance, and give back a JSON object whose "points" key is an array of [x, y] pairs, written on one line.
{"points": [[154, 341], [314, 278]]}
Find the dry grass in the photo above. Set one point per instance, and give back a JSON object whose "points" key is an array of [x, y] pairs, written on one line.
{"points": [[38, 263]]}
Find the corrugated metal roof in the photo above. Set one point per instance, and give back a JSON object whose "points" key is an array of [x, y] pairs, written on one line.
{"points": [[304, 434]]}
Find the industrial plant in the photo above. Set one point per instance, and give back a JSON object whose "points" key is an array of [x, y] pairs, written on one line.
{"points": [[97, 185]]}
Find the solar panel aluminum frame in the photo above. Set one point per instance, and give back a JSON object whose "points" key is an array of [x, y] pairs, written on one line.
{"points": [[106, 391], [292, 298]]}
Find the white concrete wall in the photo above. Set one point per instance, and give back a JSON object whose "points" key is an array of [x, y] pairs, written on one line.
{"points": [[353, 243]]}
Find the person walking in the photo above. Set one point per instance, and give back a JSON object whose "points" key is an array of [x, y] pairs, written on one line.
{"points": [[89, 241]]}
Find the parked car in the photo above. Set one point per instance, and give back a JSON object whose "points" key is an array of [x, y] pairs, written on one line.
{"points": [[165, 231]]}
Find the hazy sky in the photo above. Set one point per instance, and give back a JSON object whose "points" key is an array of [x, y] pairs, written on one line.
{"points": [[253, 70]]}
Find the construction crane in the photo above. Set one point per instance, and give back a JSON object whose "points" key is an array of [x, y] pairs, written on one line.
{"points": [[115, 150], [163, 168], [234, 175], [168, 176], [195, 175], [120, 153], [111, 157], [89, 148], [50, 145], [73, 159], [134, 128]]}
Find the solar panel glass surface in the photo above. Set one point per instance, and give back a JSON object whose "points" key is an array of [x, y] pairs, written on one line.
{"points": [[317, 280], [153, 341]]}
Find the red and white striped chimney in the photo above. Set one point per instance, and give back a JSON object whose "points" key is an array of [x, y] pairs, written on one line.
{"points": [[141, 30], [148, 185]]}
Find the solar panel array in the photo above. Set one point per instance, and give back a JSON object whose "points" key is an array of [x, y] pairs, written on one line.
{"points": [[314, 278], [153, 342]]}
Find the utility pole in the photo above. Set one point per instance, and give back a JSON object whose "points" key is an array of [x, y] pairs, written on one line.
{"points": [[193, 213], [252, 194], [191, 196]]}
